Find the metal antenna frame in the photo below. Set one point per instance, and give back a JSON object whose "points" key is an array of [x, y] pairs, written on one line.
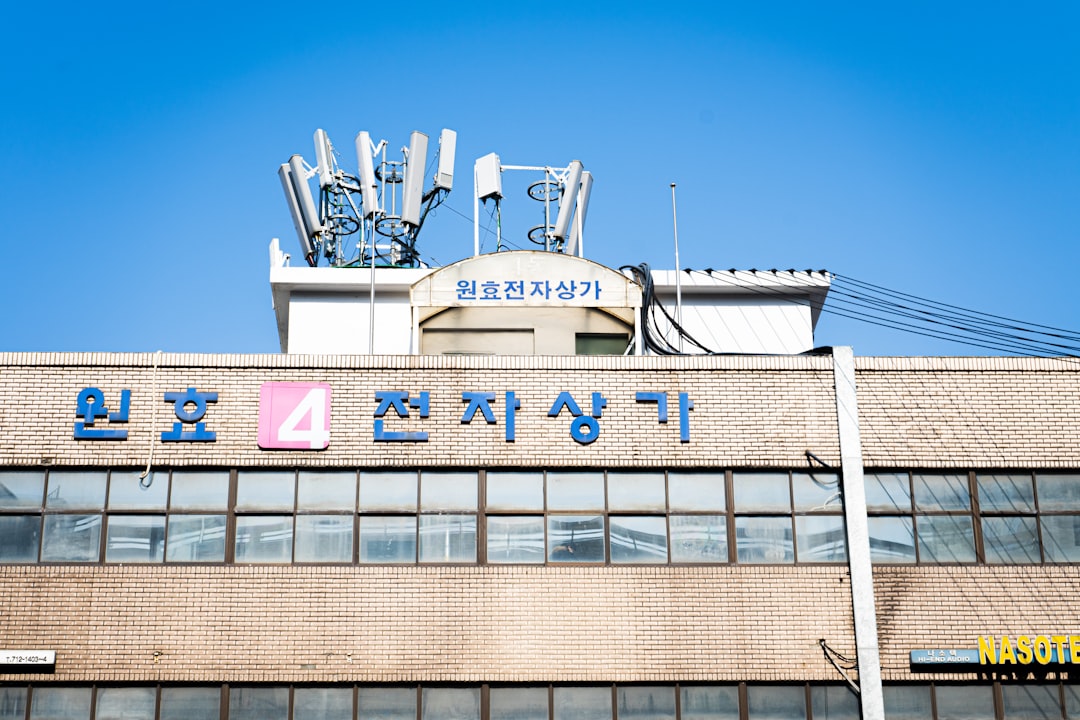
{"points": [[341, 217], [551, 188]]}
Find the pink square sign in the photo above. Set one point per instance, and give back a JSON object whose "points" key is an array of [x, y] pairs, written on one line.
{"points": [[294, 416]]}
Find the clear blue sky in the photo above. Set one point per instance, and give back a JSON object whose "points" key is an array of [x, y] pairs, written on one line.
{"points": [[928, 147]]}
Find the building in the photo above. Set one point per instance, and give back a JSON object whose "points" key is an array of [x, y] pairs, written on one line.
{"points": [[516, 511]]}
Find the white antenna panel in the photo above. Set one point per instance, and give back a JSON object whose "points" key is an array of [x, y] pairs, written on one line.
{"points": [[303, 196], [285, 173], [368, 193], [412, 194], [568, 200], [444, 176], [323, 153], [488, 170], [574, 245]]}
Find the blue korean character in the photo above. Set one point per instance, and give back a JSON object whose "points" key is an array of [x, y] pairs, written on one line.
{"points": [[566, 292], [590, 286], [540, 288], [91, 406], [480, 402], [400, 402], [584, 428], [515, 290], [194, 416], [661, 400], [490, 290], [466, 289]]}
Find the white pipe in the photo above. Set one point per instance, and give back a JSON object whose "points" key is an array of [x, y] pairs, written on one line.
{"points": [[678, 272]]}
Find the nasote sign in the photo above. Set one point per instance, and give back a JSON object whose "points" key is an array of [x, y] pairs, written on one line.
{"points": [[1002, 651]]}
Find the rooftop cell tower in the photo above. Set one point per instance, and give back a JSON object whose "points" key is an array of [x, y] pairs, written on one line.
{"points": [[372, 217], [564, 193]]}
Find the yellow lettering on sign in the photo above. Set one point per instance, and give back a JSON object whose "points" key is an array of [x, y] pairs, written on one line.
{"points": [[1042, 649], [1059, 643], [987, 654], [1074, 648], [1007, 653], [1023, 650]]}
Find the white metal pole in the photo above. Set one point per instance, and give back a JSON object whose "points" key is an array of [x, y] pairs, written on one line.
{"points": [[475, 214], [678, 272]]}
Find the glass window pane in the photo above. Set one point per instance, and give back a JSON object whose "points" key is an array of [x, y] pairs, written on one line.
{"points": [[636, 491], [519, 703], [127, 491], [264, 538], [19, 538], [709, 702], [74, 490], [60, 703], [388, 491], [761, 492], [887, 492], [515, 491], [386, 704], [322, 704], [127, 703], [190, 703], [892, 539], [1010, 540], [441, 491], [196, 538], [265, 490], [835, 702], [448, 538], [1072, 701], [964, 702], [324, 538], [1031, 702], [646, 703], [575, 491], [13, 703], [326, 491], [71, 538], [945, 538], [582, 703], [820, 538], [1008, 493], [775, 702], [942, 492], [816, 492], [696, 492], [258, 703], [387, 539], [135, 538], [907, 702], [450, 704], [515, 539], [698, 538], [640, 539], [22, 490], [1058, 492], [764, 540], [575, 538], [200, 490], [1061, 538]]}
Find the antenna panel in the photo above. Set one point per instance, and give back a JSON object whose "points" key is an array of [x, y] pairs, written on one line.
{"points": [[488, 171], [303, 196], [323, 154], [573, 246], [285, 173], [568, 200], [369, 197], [444, 176], [412, 193]]}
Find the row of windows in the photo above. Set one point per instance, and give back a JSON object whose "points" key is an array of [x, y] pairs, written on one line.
{"points": [[256, 516], [745, 701]]}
